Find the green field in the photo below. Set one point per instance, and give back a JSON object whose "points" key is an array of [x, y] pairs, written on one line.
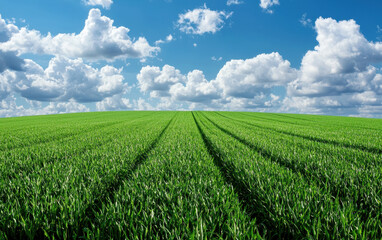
{"points": [[190, 175]]}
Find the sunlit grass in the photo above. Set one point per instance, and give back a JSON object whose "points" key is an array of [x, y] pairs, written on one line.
{"points": [[190, 175]]}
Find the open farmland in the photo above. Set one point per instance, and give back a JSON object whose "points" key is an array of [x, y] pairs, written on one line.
{"points": [[190, 175]]}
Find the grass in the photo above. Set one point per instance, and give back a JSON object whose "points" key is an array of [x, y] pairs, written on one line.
{"points": [[190, 175]]}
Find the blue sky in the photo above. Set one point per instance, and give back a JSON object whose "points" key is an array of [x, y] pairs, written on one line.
{"points": [[300, 56]]}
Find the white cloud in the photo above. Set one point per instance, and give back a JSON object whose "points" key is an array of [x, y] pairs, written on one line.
{"points": [[99, 39], [65, 79], [306, 22], [168, 39], [116, 102], [5, 87], [251, 77], [170, 85], [104, 3], [67, 107], [368, 111], [6, 30], [239, 84], [266, 4], [213, 58], [8, 59], [202, 20], [142, 104], [158, 82], [344, 104], [195, 45], [195, 89], [337, 77], [233, 2], [340, 63], [9, 108], [261, 103]]}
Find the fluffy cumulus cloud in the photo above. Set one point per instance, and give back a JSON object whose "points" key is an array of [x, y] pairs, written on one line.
{"points": [[66, 82], [6, 30], [104, 3], [339, 63], [233, 2], [99, 39], [65, 79], [116, 102], [267, 4], [170, 85], [195, 89], [8, 59], [158, 81], [251, 77], [339, 72], [240, 84], [339, 76], [202, 20]]}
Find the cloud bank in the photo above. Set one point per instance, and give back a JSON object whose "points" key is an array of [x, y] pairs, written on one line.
{"points": [[337, 77], [98, 40]]}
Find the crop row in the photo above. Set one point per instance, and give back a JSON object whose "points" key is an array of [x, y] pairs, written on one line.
{"points": [[56, 197], [46, 132], [177, 193], [350, 175], [290, 198], [190, 175], [350, 136]]}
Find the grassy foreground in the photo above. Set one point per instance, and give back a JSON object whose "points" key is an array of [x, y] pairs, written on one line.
{"points": [[190, 175]]}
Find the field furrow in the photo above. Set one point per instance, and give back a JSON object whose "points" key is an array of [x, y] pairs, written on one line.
{"points": [[125, 170], [53, 199], [329, 171], [42, 155], [190, 175], [309, 137], [274, 188], [177, 194], [43, 135]]}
